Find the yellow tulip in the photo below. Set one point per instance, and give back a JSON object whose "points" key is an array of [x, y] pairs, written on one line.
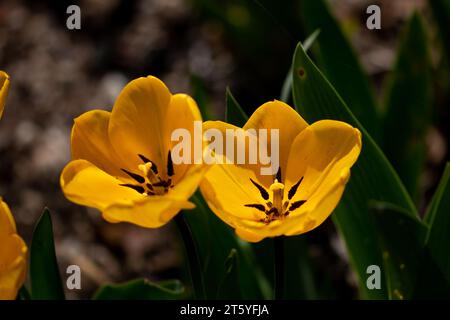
{"points": [[314, 166], [121, 160], [4, 86], [13, 253]]}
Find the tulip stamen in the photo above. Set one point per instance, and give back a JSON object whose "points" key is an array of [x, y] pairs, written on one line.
{"points": [[262, 190], [150, 182], [277, 208]]}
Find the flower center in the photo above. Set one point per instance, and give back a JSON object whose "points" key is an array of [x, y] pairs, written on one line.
{"points": [[277, 208], [149, 181]]}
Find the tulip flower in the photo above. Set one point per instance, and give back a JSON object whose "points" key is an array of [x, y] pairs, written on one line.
{"points": [[314, 166], [122, 160], [4, 87], [13, 249], [13, 254]]}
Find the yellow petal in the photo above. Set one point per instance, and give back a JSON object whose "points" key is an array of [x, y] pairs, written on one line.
{"points": [[190, 182], [229, 188], [137, 121], [182, 113], [4, 88], [12, 256], [322, 154], [90, 141], [7, 224], [278, 115], [85, 184], [152, 212]]}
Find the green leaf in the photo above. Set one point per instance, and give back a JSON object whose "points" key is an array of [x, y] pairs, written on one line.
{"points": [[44, 274], [234, 113], [402, 238], [373, 178], [230, 287], [23, 294], [214, 241], [141, 289], [408, 96], [340, 64], [286, 90], [438, 220]]}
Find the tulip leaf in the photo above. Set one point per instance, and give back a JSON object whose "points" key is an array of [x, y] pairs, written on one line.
{"points": [[408, 95], [234, 113], [373, 177], [286, 90], [438, 220], [229, 287], [142, 289], [215, 240], [44, 274], [23, 294], [402, 238], [340, 64]]}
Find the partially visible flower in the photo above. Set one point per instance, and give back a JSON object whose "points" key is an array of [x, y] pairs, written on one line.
{"points": [[314, 166], [4, 87], [13, 252], [122, 160]]}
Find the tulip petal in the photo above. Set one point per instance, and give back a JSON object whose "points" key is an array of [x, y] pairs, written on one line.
{"points": [[4, 88], [7, 223], [85, 184], [137, 122], [90, 141], [322, 154], [12, 256], [181, 114], [278, 115], [152, 212]]}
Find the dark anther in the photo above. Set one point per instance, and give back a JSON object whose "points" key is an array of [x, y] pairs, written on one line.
{"points": [[149, 185], [145, 160], [273, 210], [294, 188], [137, 188], [296, 204], [262, 191], [135, 176], [279, 174], [258, 206], [170, 171], [161, 183]]}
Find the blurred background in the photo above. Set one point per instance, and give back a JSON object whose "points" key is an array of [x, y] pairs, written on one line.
{"points": [[199, 47]]}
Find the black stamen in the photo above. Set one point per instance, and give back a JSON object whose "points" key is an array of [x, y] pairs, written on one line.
{"points": [[294, 188], [262, 191], [170, 171], [149, 185], [145, 160], [296, 204], [258, 206], [279, 174], [132, 186], [135, 176], [161, 183], [272, 210]]}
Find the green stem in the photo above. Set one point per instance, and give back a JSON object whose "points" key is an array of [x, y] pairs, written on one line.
{"points": [[195, 270], [279, 266]]}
